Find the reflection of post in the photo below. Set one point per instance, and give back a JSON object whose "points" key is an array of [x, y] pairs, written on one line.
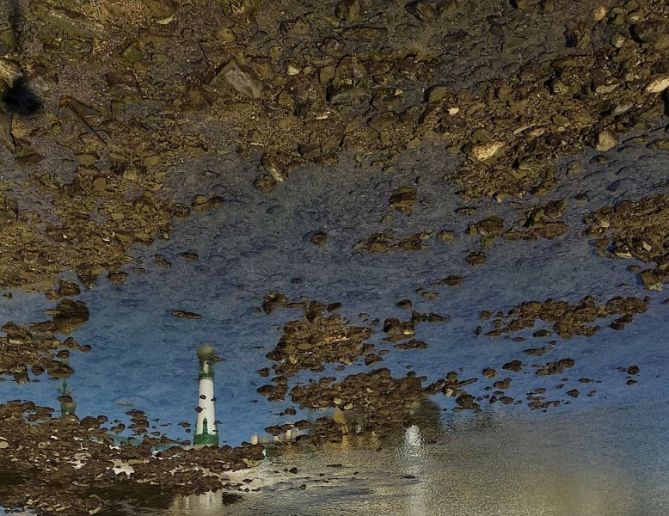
{"points": [[412, 461], [67, 404], [205, 428]]}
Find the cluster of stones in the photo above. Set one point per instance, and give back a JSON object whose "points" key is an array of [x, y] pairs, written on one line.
{"points": [[312, 342], [635, 229], [73, 466], [568, 319]]}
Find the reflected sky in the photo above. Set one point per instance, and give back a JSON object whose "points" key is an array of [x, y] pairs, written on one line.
{"points": [[144, 358]]}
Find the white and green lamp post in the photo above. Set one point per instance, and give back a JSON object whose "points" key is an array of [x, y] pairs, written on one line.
{"points": [[205, 428]]}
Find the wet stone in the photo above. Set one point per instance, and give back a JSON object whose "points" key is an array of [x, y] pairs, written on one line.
{"points": [[404, 303], [489, 373], [514, 365], [570, 319], [118, 277], [422, 10], [476, 259], [635, 229], [555, 367], [241, 80], [446, 236], [348, 10], [312, 342], [319, 238], [185, 314], [403, 199], [411, 344], [502, 384], [67, 289], [606, 140]]}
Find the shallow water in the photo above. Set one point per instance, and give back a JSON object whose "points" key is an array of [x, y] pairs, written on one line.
{"points": [[144, 358], [599, 462]]}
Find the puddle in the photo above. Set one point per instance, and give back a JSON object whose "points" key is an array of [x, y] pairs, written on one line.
{"points": [[145, 358], [605, 462]]}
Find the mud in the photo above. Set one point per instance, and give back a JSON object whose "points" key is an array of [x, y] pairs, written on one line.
{"points": [[319, 82], [117, 117]]}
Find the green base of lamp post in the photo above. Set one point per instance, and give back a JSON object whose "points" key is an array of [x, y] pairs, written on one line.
{"points": [[206, 440]]}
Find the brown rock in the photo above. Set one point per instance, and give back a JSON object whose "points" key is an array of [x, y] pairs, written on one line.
{"points": [[241, 80]]}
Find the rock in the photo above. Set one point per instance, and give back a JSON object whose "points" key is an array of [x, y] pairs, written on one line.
{"points": [[502, 384], [658, 85], [476, 259], [403, 199], [242, 81], [486, 151], [606, 140], [118, 277], [489, 372], [161, 9], [633, 369], [10, 72], [436, 93], [184, 314], [452, 281], [599, 13], [446, 236], [348, 10], [202, 203], [319, 238], [421, 10], [67, 288], [514, 365]]}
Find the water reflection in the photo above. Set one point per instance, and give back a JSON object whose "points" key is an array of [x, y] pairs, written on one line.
{"points": [[143, 357], [588, 464], [67, 404], [205, 428], [132, 332]]}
